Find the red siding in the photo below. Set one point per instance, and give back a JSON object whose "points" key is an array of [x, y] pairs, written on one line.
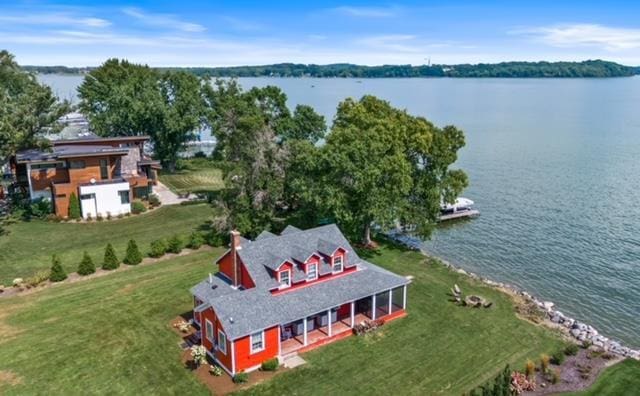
{"points": [[245, 360], [210, 315], [225, 263]]}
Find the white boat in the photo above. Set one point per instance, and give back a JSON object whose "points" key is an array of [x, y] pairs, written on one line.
{"points": [[461, 207]]}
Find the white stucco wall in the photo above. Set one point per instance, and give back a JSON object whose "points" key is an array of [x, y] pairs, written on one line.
{"points": [[107, 199]]}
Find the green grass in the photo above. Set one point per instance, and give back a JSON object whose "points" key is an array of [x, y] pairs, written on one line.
{"points": [[111, 335], [196, 175], [618, 380], [29, 245]]}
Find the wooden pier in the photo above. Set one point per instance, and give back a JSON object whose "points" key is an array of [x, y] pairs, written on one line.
{"points": [[459, 215]]}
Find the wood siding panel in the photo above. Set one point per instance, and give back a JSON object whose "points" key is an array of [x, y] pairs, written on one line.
{"points": [[246, 360]]}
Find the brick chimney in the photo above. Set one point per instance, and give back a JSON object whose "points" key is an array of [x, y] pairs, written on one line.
{"points": [[235, 246]]}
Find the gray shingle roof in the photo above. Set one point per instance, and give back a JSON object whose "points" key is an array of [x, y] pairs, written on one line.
{"points": [[256, 308], [290, 229], [265, 234]]}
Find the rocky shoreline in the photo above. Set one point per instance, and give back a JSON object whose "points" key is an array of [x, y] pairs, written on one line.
{"points": [[578, 331]]}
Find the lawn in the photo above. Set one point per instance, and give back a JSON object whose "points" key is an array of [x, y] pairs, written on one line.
{"points": [[195, 175], [111, 335], [29, 245], [618, 380]]}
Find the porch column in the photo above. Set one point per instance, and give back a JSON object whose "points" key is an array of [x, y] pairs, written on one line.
{"points": [[404, 297], [390, 298], [373, 307], [353, 313], [29, 180], [329, 320], [304, 331]]}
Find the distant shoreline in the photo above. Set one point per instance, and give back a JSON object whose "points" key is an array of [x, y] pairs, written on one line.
{"points": [[584, 69]]}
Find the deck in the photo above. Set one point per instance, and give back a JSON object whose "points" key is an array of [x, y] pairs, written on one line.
{"points": [[320, 335]]}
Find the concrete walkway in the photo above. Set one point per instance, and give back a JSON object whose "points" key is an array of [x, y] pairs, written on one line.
{"points": [[167, 197]]}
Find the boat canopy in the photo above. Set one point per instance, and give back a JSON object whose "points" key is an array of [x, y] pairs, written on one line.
{"points": [[460, 203]]}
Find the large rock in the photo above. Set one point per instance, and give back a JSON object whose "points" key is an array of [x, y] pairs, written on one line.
{"points": [[548, 305], [456, 289], [575, 333]]}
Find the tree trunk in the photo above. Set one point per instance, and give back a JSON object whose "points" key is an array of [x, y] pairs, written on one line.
{"points": [[366, 239]]}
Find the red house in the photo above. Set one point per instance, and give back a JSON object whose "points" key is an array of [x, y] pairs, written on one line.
{"points": [[288, 293]]}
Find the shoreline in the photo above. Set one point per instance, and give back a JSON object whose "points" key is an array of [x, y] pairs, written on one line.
{"points": [[573, 329]]}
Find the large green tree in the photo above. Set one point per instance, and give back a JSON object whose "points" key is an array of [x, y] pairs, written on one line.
{"points": [[255, 132], [381, 165], [27, 108], [126, 99]]}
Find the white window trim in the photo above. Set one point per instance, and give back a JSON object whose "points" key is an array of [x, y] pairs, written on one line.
{"points": [[222, 346], [316, 271], [251, 342], [288, 284], [207, 325], [333, 264]]}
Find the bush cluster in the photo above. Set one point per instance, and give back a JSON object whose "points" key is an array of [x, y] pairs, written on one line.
{"points": [[195, 240], [175, 244], [138, 207], [241, 378], [158, 248], [270, 365]]}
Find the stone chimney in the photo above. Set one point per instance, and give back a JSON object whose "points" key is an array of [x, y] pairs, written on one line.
{"points": [[235, 246]]}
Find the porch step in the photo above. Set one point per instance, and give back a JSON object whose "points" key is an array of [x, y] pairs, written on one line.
{"points": [[292, 360]]}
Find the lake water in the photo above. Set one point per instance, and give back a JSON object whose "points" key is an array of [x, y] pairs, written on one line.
{"points": [[554, 167]]}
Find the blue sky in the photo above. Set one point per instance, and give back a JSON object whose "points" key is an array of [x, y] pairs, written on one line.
{"points": [[221, 33]]}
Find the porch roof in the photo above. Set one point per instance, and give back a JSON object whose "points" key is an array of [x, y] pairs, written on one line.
{"points": [[256, 309]]}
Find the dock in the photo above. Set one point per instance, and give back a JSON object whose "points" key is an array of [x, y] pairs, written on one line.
{"points": [[459, 215]]}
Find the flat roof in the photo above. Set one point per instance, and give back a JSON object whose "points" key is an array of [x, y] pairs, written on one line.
{"points": [[70, 151]]}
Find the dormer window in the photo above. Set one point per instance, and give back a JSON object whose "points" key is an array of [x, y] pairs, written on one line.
{"points": [[312, 271], [337, 264], [285, 278]]}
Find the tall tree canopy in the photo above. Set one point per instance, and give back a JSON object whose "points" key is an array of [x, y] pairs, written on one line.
{"points": [[27, 108], [381, 165], [255, 132], [125, 99]]}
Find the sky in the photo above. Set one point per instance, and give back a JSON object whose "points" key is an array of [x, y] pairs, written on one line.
{"points": [[228, 33]]}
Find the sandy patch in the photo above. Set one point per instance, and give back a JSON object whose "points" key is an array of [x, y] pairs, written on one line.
{"points": [[9, 377]]}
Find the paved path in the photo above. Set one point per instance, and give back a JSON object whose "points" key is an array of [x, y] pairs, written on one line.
{"points": [[167, 197]]}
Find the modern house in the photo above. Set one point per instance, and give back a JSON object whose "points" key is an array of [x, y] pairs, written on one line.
{"points": [[288, 293], [104, 173]]}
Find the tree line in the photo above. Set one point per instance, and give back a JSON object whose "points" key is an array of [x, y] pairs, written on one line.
{"points": [[375, 165], [589, 68]]}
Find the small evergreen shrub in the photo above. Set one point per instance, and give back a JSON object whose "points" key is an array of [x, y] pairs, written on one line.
{"points": [[175, 244], [158, 248], [110, 261], [133, 255], [86, 266], [571, 350], [154, 200], [138, 207], [558, 358], [270, 365], [195, 240], [74, 207], [57, 272], [241, 378]]}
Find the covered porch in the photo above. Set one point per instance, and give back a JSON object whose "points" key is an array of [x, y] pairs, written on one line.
{"points": [[338, 322]]}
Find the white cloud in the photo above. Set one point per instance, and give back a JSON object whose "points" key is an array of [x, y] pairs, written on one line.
{"points": [[167, 21], [368, 12], [55, 19], [585, 35]]}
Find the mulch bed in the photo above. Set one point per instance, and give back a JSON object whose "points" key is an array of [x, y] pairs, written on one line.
{"points": [[576, 373], [223, 384]]}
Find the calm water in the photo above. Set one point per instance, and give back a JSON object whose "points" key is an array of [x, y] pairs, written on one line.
{"points": [[555, 171]]}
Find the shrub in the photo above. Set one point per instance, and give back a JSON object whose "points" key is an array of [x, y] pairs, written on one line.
{"points": [[270, 365], [133, 255], [558, 358], [158, 248], [99, 217], [57, 272], [586, 344], [199, 354], [154, 200], [37, 278], [530, 368], [17, 282], [555, 376], [175, 244], [110, 261], [241, 378], [74, 206], [138, 207], [89, 217], [571, 350], [217, 239], [108, 215], [544, 363], [86, 266], [195, 240], [215, 370]]}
